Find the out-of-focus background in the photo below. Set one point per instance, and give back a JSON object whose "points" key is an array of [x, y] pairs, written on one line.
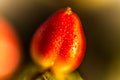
{"points": [[101, 24]]}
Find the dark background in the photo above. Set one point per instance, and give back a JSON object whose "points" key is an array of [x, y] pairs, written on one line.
{"points": [[101, 24]]}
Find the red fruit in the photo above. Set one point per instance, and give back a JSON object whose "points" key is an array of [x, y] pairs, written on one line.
{"points": [[59, 43], [9, 50]]}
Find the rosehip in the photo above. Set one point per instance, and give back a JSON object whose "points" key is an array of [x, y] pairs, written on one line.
{"points": [[9, 50], [59, 43]]}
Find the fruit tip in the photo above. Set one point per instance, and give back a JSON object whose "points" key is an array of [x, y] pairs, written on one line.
{"points": [[68, 10]]}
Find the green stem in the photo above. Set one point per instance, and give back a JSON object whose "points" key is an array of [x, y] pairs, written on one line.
{"points": [[39, 76], [46, 75], [33, 72]]}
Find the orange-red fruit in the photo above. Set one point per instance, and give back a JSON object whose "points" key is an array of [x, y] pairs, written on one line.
{"points": [[59, 43], [9, 50]]}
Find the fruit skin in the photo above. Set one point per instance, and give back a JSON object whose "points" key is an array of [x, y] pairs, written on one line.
{"points": [[59, 43], [9, 50]]}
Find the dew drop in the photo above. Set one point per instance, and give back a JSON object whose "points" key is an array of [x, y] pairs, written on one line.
{"points": [[64, 30], [52, 63], [66, 26], [62, 23], [67, 32], [60, 29], [75, 36]]}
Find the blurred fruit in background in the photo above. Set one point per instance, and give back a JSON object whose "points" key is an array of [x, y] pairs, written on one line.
{"points": [[9, 50]]}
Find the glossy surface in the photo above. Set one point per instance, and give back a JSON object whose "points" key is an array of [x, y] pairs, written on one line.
{"points": [[59, 43]]}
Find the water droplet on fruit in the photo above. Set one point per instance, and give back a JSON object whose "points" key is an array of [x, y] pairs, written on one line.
{"points": [[52, 63], [67, 32], [75, 36], [60, 29]]}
